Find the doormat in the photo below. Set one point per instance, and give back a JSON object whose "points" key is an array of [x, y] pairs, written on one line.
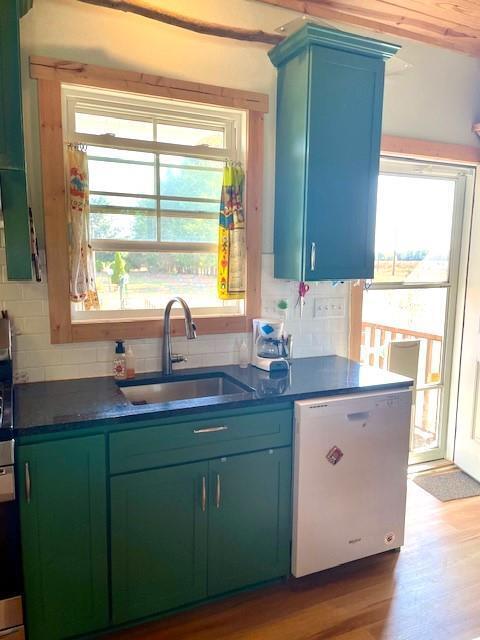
{"points": [[450, 485]]}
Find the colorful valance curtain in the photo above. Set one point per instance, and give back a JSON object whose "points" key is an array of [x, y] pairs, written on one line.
{"points": [[231, 237], [82, 268]]}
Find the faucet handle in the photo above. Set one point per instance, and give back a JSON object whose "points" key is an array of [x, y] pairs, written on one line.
{"points": [[177, 357], [193, 331]]}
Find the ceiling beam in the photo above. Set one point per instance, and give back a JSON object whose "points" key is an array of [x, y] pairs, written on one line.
{"points": [[147, 10], [390, 18]]}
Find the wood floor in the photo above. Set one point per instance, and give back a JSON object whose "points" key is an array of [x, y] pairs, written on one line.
{"points": [[428, 591]]}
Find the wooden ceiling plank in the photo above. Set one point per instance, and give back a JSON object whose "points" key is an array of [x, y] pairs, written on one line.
{"points": [[467, 45], [405, 20], [423, 10]]}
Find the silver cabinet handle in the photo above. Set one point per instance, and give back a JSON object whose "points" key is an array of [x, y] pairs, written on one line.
{"points": [[218, 492], [28, 483], [204, 493], [211, 429], [313, 256]]}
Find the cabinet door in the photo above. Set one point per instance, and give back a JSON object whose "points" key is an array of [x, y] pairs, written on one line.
{"points": [[159, 540], [346, 94], [14, 206], [64, 536], [249, 519], [11, 128]]}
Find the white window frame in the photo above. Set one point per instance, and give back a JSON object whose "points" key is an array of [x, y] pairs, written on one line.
{"points": [[158, 111], [462, 175]]}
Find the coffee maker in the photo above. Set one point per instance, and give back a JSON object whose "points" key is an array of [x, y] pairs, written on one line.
{"points": [[270, 346]]}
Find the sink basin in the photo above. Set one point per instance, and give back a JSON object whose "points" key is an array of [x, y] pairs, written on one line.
{"points": [[184, 389]]}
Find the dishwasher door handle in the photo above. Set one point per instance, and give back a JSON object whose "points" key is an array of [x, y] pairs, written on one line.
{"points": [[361, 416]]}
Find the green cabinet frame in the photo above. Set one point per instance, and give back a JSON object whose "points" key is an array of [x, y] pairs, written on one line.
{"points": [[63, 516], [183, 533], [13, 184], [329, 113]]}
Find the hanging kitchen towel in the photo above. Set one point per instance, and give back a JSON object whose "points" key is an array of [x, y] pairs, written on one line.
{"points": [[231, 237], [82, 269]]}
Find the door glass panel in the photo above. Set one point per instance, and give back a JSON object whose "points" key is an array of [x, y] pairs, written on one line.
{"points": [[405, 314], [417, 244], [413, 230], [426, 419]]}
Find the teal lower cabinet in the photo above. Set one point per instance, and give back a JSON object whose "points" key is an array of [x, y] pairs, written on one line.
{"points": [[129, 523], [159, 540], [190, 531], [249, 519], [63, 514]]}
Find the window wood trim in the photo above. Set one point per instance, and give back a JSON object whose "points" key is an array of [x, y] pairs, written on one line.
{"points": [[50, 74], [418, 150]]}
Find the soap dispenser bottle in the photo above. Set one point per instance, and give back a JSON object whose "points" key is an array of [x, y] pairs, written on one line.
{"points": [[120, 361]]}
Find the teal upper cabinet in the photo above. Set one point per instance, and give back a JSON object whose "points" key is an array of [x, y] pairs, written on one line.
{"points": [[25, 6], [13, 189], [63, 516], [11, 127], [329, 114]]}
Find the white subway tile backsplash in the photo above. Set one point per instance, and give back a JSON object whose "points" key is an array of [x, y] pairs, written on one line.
{"points": [[36, 359]]}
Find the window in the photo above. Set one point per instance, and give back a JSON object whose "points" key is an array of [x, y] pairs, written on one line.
{"points": [[155, 174], [412, 297], [164, 119]]}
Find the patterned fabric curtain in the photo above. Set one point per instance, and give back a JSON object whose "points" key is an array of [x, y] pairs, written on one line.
{"points": [[82, 268], [231, 237]]}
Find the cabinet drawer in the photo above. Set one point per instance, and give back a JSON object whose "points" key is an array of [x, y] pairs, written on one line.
{"points": [[198, 438]]}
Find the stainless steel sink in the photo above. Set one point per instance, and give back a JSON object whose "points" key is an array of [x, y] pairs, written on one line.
{"points": [[168, 390]]}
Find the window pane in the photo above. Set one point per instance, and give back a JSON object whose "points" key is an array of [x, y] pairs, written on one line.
{"points": [[192, 207], [120, 154], [190, 183], [121, 201], [149, 280], [111, 226], [177, 134], [405, 314], [121, 177], [185, 161], [120, 127], [427, 411], [189, 230], [413, 229]]}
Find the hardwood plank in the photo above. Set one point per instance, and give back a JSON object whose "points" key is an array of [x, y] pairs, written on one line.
{"points": [[430, 150], [429, 590], [397, 19], [254, 193], [53, 181], [153, 328], [42, 68]]}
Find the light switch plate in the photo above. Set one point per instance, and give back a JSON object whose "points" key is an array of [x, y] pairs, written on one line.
{"points": [[329, 307]]}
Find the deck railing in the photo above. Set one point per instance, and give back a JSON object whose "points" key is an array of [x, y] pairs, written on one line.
{"points": [[374, 351], [375, 340]]}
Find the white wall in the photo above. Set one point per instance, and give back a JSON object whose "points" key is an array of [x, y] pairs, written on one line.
{"points": [[437, 99]]}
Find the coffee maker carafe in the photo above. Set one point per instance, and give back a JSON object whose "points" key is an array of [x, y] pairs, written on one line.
{"points": [[270, 351]]}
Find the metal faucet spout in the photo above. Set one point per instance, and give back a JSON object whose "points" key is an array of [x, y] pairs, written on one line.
{"points": [[190, 332]]}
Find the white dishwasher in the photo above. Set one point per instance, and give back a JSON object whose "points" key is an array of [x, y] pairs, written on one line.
{"points": [[350, 477]]}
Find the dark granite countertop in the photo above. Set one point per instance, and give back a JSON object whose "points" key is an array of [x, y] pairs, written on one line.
{"points": [[45, 407]]}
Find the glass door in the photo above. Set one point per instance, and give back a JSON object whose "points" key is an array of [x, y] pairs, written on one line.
{"points": [[413, 294]]}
